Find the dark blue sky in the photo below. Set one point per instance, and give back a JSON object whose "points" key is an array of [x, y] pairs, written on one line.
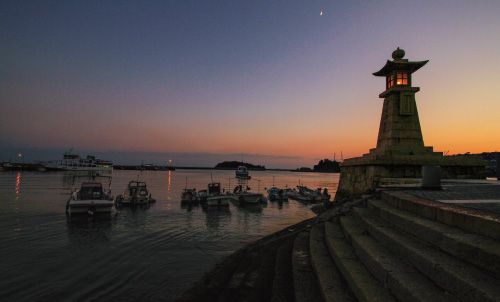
{"points": [[204, 80]]}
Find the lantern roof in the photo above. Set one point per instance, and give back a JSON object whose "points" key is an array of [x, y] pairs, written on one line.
{"points": [[399, 64]]}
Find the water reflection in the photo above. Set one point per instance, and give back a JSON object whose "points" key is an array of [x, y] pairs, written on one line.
{"points": [[216, 216], [86, 230], [248, 207], [189, 206], [136, 251]]}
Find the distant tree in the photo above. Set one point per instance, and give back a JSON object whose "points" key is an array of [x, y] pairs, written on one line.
{"points": [[327, 165]]}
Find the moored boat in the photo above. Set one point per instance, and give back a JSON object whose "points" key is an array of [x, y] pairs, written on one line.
{"points": [[73, 162], [136, 193], [309, 195], [90, 197], [240, 192], [213, 195], [190, 195], [277, 194]]}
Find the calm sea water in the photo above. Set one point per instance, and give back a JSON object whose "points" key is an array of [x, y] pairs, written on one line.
{"points": [[143, 254]]}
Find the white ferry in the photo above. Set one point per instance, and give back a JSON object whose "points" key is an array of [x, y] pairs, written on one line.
{"points": [[73, 162]]}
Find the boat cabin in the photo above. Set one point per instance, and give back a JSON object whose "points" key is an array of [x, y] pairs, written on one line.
{"points": [[91, 190], [137, 188], [214, 189], [242, 172]]}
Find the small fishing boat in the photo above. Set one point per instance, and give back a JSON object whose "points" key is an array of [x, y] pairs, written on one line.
{"points": [[241, 192], [136, 193], [213, 195], [189, 195], [309, 195], [90, 197], [277, 194]]}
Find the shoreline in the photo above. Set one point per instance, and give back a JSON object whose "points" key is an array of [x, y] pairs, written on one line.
{"points": [[225, 279]]}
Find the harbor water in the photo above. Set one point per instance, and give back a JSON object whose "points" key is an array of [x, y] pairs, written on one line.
{"points": [[133, 254]]}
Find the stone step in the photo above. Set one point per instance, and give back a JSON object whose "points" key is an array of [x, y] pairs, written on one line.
{"points": [[478, 250], [470, 220], [333, 288], [361, 282], [402, 280], [283, 279], [455, 276], [304, 279]]}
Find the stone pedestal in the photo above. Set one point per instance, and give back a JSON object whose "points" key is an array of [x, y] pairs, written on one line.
{"points": [[362, 173]]}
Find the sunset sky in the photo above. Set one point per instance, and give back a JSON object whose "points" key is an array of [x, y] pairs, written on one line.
{"points": [[275, 83]]}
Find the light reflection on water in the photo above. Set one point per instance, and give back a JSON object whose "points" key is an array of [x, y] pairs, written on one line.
{"points": [[136, 253]]}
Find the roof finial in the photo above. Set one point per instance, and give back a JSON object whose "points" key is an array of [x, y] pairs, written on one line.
{"points": [[398, 54]]}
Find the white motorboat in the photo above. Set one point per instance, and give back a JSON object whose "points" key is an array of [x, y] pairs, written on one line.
{"points": [[90, 197], [136, 193], [73, 162]]}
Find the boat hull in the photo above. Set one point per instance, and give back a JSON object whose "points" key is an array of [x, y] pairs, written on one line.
{"points": [[134, 201], [218, 200], [250, 197], [90, 206]]}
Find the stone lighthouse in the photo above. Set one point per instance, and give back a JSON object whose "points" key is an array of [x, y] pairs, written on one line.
{"points": [[400, 153], [400, 131]]}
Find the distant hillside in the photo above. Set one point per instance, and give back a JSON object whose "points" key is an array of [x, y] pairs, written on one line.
{"points": [[326, 165], [236, 164]]}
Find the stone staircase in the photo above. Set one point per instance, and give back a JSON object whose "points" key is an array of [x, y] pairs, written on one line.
{"points": [[388, 246], [394, 247]]}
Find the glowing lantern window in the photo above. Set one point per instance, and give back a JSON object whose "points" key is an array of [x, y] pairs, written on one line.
{"points": [[402, 79], [390, 81]]}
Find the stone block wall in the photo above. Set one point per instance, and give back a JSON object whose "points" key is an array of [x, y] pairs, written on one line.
{"points": [[358, 175]]}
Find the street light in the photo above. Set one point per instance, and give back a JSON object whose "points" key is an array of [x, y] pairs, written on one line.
{"points": [[20, 155]]}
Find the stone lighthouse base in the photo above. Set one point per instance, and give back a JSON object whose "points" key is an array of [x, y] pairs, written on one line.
{"points": [[362, 173]]}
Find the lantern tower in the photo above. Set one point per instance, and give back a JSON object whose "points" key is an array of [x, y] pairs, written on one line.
{"points": [[400, 132]]}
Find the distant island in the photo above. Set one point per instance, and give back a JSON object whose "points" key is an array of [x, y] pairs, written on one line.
{"points": [[324, 165], [236, 164]]}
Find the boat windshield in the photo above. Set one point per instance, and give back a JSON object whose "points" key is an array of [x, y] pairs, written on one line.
{"points": [[91, 190], [214, 188]]}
